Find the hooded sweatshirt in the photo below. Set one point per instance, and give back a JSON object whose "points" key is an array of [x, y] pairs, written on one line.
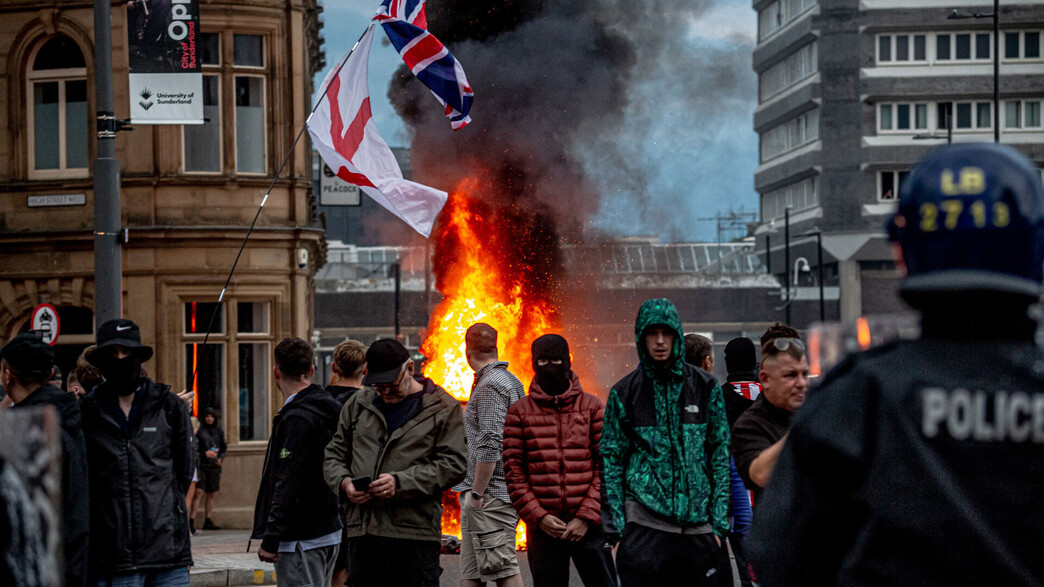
{"points": [[210, 436], [665, 439]]}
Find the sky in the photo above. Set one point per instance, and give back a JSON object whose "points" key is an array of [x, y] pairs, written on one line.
{"points": [[686, 131]]}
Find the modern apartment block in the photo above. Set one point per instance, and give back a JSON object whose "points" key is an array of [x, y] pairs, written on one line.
{"points": [[852, 93]]}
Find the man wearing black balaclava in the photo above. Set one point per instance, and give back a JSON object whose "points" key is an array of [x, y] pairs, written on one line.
{"points": [[140, 460], [551, 466]]}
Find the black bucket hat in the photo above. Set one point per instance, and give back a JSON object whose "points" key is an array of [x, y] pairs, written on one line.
{"points": [[120, 332]]}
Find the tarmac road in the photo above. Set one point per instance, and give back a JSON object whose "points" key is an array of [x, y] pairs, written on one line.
{"points": [[222, 560]]}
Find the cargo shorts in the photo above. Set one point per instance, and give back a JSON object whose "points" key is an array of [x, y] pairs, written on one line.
{"points": [[487, 546]]}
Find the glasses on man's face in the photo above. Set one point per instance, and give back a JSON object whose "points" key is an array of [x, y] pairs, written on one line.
{"points": [[783, 344]]}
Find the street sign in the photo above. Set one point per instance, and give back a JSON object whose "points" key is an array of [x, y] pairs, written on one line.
{"points": [[334, 191], [45, 320]]}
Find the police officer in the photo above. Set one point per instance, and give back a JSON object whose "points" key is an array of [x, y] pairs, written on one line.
{"points": [[921, 462]]}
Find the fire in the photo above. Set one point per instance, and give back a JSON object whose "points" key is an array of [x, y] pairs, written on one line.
{"points": [[479, 288], [483, 278]]}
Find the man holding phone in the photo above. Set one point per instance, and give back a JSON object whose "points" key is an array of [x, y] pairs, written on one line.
{"points": [[296, 517], [399, 444]]}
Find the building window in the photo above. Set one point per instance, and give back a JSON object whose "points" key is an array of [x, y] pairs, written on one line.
{"points": [[779, 14], [797, 196], [250, 124], [203, 141], [790, 135], [902, 48], [787, 73], [1022, 114], [239, 92], [237, 355], [888, 184], [902, 117], [963, 46], [1022, 45], [57, 113]]}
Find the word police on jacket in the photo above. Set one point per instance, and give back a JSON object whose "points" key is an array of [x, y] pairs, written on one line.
{"points": [[985, 416]]}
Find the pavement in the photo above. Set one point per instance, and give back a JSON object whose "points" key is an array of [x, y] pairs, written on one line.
{"points": [[223, 560]]}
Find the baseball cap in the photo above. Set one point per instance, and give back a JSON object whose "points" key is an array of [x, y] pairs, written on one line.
{"points": [[28, 354], [384, 361], [120, 332]]}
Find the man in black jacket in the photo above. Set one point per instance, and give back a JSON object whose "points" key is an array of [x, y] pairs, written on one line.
{"points": [[921, 462], [140, 460], [296, 516], [212, 448], [26, 365]]}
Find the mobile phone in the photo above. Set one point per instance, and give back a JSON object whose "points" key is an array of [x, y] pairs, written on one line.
{"points": [[361, 483]]}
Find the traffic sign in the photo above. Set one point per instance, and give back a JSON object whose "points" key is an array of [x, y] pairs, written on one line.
{"points": [[45, 320]]}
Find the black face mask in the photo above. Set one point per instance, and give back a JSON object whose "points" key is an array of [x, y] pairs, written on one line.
{"points": [[123, 374], [553, 379]]}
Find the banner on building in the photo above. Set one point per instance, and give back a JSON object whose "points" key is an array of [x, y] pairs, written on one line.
{"points": [[166, 81]]}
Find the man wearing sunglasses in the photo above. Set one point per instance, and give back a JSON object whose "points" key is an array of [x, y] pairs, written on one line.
{"points": [[399, 444], [759, 433], [921, 462]]}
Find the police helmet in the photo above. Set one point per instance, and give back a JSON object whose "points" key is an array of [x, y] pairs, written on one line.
{"points": [[971, 218]]}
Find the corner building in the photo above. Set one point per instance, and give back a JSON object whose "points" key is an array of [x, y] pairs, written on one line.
{"points": [[188, 196], [852, 93]]}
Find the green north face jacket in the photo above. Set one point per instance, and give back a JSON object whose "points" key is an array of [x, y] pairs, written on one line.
{"points": [[665, 438]]}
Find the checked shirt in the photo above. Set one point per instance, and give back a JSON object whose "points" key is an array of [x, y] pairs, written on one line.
{"points": [[492, 393]]}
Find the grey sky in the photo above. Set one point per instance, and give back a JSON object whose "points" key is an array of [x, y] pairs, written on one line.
{"points": [[687, 149]]}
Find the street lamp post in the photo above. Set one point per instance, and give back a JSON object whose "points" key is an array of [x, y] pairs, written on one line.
{"points": [[108, 267], [958, 15], [786, 256], [819, 266]]}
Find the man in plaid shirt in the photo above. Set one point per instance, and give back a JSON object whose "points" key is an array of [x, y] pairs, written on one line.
{"points": [[488, 520]]}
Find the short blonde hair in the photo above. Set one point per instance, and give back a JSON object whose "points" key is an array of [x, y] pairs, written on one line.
{"points": [[349, 359]]}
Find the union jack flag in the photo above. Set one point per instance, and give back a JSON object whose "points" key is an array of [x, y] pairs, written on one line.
{"points": [[411, 11], [405, 22]]}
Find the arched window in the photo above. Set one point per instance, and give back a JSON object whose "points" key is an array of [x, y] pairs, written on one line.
{"points": [[58, 120]]}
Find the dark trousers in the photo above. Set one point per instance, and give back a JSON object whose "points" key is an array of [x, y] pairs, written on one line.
{"points": [[376, 561], [549, 559], [649, 557]]}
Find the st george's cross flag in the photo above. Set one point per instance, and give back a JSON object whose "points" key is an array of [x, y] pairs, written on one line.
{"points": [[406, 23], [343, 131]]}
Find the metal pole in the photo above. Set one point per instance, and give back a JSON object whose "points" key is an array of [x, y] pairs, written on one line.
{"points": [[786, 259], [398, 291], [108, 270], [996, 71], [768, 254], [822, 303]]}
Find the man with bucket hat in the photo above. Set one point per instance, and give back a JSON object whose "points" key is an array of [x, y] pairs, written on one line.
{"points": [[26, 367], [140, 459]]}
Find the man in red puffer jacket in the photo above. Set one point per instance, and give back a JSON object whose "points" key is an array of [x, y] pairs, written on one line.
{"points": [[551, 464]]}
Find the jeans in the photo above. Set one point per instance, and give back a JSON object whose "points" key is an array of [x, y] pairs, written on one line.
{"points": [[171, 578]]}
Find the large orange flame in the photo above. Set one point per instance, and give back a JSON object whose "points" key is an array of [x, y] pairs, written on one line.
{"points": [[478, 289], [480, 284]]}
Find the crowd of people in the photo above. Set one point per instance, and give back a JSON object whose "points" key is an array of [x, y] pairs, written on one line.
{"points": [[918, 462]]}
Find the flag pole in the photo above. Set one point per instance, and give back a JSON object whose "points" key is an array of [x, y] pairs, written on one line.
{"points": [[271, 186]]}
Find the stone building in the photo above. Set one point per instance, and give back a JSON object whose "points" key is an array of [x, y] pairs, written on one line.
{"points": [[188, 195], [852, 93]]}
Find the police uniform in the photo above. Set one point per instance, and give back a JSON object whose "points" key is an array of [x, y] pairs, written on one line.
{"points": [[921, 462]]}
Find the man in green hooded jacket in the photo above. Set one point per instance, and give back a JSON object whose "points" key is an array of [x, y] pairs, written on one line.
{"points": [[665, 448]]}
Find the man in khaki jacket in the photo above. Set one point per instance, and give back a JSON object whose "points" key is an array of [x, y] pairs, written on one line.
{"points": [[399, 444]]}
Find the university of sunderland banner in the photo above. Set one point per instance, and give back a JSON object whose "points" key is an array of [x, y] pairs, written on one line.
{"points": [[166, 81]]}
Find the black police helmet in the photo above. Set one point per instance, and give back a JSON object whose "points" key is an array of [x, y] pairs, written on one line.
{"points": [[971, 218]]}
